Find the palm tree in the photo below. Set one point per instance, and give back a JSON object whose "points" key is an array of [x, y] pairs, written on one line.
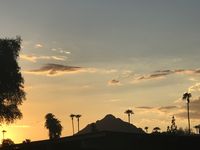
{"points": [[146, 129], [53, 125], [4, 131], [78, 116], [187, 96], [72, 117], [129, 112], [197, 127]]}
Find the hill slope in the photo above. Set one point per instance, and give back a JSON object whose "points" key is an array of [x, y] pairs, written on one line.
{"points": [[110, 123]]}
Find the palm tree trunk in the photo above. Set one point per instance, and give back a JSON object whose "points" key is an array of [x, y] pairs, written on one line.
{"points": [[129, 118], [3, 135], [78, 124], [188, 111], [73, 125]]}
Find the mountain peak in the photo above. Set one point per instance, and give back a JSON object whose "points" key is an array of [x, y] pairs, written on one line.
{"points": [[109, 117], [111, 123]]}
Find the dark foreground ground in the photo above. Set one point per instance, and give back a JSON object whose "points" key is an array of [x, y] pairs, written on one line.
{"points": [[115, 141]]}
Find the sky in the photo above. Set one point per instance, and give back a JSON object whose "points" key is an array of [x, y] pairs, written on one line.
{"points": [[98, 57]]}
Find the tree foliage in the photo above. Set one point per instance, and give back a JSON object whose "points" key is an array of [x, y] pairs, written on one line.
{"points": [[53, 125], [187, 96], [8, 144], [11, 81], [26, 141]]}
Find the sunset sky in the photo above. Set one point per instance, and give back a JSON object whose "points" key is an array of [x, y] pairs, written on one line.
{"points": [[98, 57]]}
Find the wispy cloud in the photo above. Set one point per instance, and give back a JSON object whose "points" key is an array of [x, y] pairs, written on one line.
{"points": [[192, 79], [38, 45], [194, 110], [157, 75], [152, 76], [145, 107], [58, 69], [60, 50], [114, 82], [194, 88], [20, 126], [193, 115], [166, 108], [113, 100], [53, 69], [158, 110], [160, 74], [162, 108], [34, 58]]}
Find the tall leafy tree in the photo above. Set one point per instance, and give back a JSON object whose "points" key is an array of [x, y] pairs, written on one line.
{"points": [[53, 125], [187, 96], [11, 81]]}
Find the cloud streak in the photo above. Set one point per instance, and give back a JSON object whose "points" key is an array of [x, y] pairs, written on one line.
{"points": [[33, 58], [60, 50], [145, 107], [178, 110], [166, 108], [156, 110], [21, 126], [56, 69], [194, 88], [162, 108], [159, 74], [114, 82], [194, 110], [38, 45]]}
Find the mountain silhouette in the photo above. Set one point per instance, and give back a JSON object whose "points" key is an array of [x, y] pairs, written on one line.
{"points": [[110, 123]]}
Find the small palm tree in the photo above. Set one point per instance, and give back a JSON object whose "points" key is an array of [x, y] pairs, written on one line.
{"points": [[146, 129], [72, 117], [53, 125], [4, 131], [78, 116], [156, 129], [197, 127], [129, 112], [187, 96]]}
